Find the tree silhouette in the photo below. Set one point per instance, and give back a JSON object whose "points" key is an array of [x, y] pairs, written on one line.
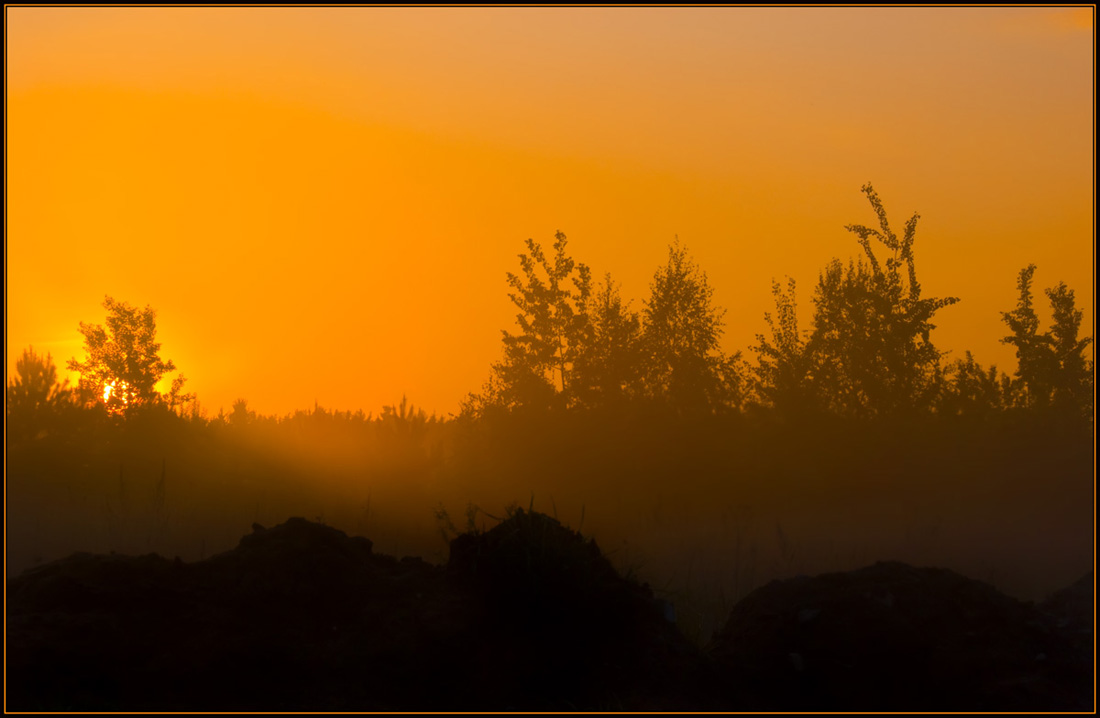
{"points": [[122, 366], [1052, 369], [241, 415], [608, 368], [1034, 354], [404, 420], [971, 390], [871, 338], [1073, 384], [34, 394], [783, 377], [684, 364], [538, 365]]}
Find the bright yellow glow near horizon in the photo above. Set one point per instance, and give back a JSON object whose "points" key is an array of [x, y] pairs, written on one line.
{"points": [[321, 204], [109, 389]]}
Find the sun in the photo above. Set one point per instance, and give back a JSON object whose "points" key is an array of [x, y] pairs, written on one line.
{"points": [[121, 395]]}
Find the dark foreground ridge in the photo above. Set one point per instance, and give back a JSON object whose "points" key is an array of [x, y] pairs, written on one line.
{"points": [[526, 616]]}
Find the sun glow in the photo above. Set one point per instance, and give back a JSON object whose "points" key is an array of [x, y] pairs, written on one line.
{"points": [[121, 394]]}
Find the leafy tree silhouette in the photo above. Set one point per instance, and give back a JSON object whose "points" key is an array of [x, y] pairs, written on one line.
{"points": [[1073, 384], [538, 365], [122, 366], [608, 367], [405, 420], [1052, 370], [241, 415], [34, 395], [871, 341], [782, 376], [970, 390], [682, 329]]}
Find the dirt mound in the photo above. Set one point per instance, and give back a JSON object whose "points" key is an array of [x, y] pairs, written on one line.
{"points": [[1072, 614], [1074, 607], [298, 616], [569, 625], [536, 574], [892, 637], [302, 617], [526, 616]]}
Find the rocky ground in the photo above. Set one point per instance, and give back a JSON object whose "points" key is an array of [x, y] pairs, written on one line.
{"points": [[526, 616]]}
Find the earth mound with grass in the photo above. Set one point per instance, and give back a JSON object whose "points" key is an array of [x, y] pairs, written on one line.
{"points": [[891, 637], [300, 616], [526, 616]]}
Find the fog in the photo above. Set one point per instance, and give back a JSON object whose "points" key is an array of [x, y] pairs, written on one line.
{"points": [[703, 510]]}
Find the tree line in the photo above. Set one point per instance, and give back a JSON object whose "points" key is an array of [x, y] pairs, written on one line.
{"points": [[578, 345], [868, 352]]}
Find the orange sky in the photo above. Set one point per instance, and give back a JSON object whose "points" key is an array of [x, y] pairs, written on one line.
{"points": [[321, 204]]}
